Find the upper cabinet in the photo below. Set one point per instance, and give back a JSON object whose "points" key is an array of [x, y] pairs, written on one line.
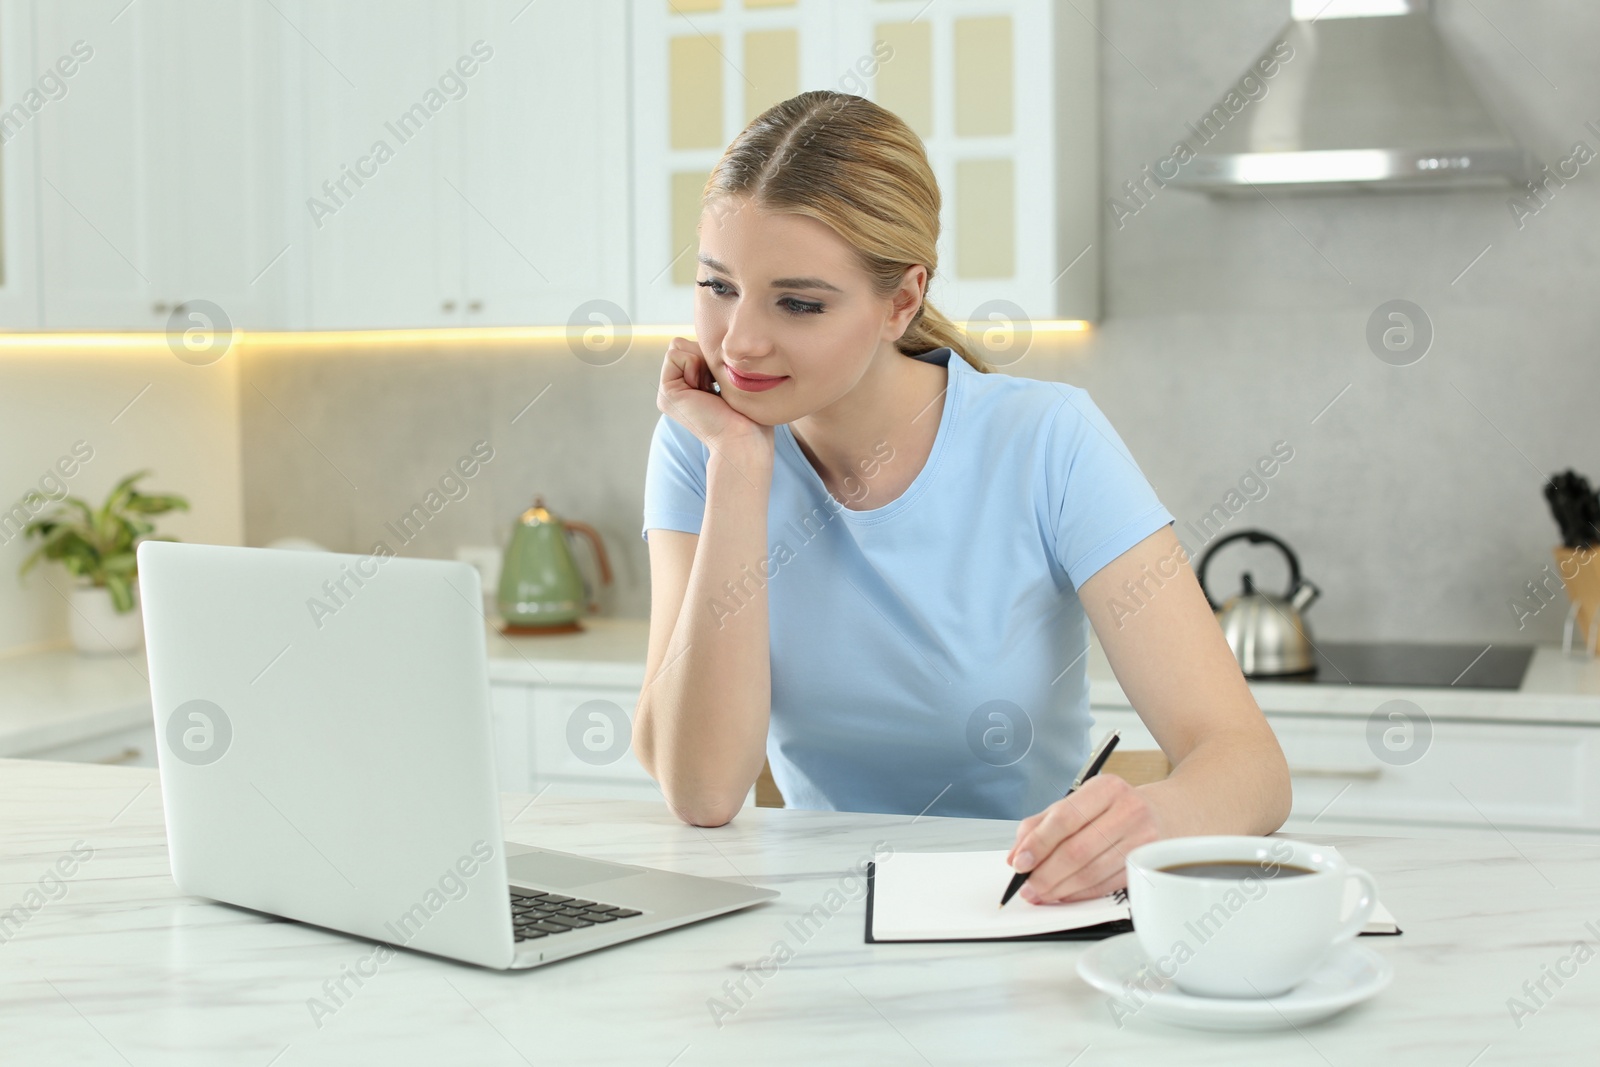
{"points": [[460, 164], [24, 100], [99, 206], [546, 179], [376, 134], [702, 70], [413, 163], [1002, 94], [156, 159]]}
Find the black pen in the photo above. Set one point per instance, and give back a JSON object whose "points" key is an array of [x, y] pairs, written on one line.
{"points": [[1097, 759]]}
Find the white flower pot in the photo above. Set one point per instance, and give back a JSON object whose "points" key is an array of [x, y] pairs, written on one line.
{"points": [[98, 628]]}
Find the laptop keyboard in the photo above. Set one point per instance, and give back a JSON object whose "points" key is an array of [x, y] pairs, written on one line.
{"points": [[535, 915]]}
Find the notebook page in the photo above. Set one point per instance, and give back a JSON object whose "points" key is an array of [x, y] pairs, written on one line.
{"points": [[920, 895]]}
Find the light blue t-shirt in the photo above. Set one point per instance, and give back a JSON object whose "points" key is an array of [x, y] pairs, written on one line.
{"points": [[928, 655]]}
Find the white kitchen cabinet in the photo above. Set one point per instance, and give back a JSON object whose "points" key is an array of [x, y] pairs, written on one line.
{"points": [[459, 164], [216, 135], [702, 71], [99, 210], [544, 175], [306, 165], [373, 135], [1002, 94], [585, 733], [19, 292], [158, 170], [1475, 777], [513, 750], [573, 740], [532, 724]]}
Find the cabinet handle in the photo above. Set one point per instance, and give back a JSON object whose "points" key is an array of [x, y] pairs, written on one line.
{"points": [[1365, 774], [476, 305], [122, 757], [448, 305]]}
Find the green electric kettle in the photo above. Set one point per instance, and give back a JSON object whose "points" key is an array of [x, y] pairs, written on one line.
{"points": [[542, 591]]}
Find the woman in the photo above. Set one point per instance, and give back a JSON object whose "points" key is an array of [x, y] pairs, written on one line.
{"points": [[874, 562]]}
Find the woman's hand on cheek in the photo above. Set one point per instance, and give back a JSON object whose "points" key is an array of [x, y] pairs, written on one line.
{"points": [[1076, 849], [685, 394]]}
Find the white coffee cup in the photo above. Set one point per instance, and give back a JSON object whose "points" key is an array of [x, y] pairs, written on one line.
{"points": [[1258, 935]]}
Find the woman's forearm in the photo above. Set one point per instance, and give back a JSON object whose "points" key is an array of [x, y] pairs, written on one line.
{"points": [[1233, 782], [703, 718]]}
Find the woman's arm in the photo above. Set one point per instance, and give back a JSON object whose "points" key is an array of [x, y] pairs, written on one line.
{"points": [[1229, 775], [700, 728]]}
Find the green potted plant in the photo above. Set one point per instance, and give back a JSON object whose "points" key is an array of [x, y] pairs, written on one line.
{"points": [[97, 549]]}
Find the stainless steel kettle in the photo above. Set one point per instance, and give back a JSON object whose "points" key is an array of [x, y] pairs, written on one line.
{"points": [[1268, 634]]}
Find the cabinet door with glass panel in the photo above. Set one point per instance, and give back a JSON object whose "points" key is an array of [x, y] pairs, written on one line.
{"points": [[1001, 92], [702, 70]]}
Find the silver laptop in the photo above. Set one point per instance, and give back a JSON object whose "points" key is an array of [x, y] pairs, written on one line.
{"points": [[325, 747]]}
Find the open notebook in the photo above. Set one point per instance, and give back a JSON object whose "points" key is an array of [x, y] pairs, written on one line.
{"points": [[951, 896]]}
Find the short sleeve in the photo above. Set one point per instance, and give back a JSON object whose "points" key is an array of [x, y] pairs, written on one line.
{"points": [[1102, 502], [674, 480]]}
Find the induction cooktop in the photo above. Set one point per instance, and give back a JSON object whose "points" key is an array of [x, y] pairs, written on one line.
{"points": [[1415, 663]]}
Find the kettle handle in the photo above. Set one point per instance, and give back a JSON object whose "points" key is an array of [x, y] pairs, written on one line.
{"points": [[599, 546], [1255, 537]]}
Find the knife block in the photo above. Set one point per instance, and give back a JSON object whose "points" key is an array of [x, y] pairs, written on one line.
{"points": [[1579, 569]]}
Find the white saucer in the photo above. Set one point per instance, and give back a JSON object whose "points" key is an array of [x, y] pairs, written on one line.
{"points": [[1350, 975]]}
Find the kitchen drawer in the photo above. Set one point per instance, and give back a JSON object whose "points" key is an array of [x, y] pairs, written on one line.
{"points": [[1479, 774], [134, 746], [580, 743], [1486, 775], [585, 732], [512, 707]]}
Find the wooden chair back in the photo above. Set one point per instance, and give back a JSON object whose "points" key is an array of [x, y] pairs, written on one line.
{"points": [[1139, 766], [767, 795]]}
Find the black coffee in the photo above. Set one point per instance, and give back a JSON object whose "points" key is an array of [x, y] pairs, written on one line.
{"points": [[1233, 869]]}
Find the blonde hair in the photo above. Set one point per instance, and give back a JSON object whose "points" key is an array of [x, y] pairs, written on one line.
{"points": [[858, 169]]}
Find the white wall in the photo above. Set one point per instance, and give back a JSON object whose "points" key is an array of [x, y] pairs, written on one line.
{"points": [[183, 426]]}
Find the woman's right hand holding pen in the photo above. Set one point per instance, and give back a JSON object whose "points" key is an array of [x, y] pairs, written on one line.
{"points": [[1077, 848]]}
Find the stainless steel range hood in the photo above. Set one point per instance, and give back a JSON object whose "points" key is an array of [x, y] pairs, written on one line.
{"points": [[1352, 95]]}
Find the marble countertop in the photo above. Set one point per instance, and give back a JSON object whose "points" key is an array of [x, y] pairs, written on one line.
{"points": [[1557, 688], [56, 696], [608, 651], [121, 968]]}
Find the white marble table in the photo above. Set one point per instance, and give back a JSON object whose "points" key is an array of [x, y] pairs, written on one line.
{"points": [[121, 969]]}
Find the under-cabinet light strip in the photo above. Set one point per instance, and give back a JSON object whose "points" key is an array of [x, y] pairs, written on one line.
{"points": [[370, 338]]}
